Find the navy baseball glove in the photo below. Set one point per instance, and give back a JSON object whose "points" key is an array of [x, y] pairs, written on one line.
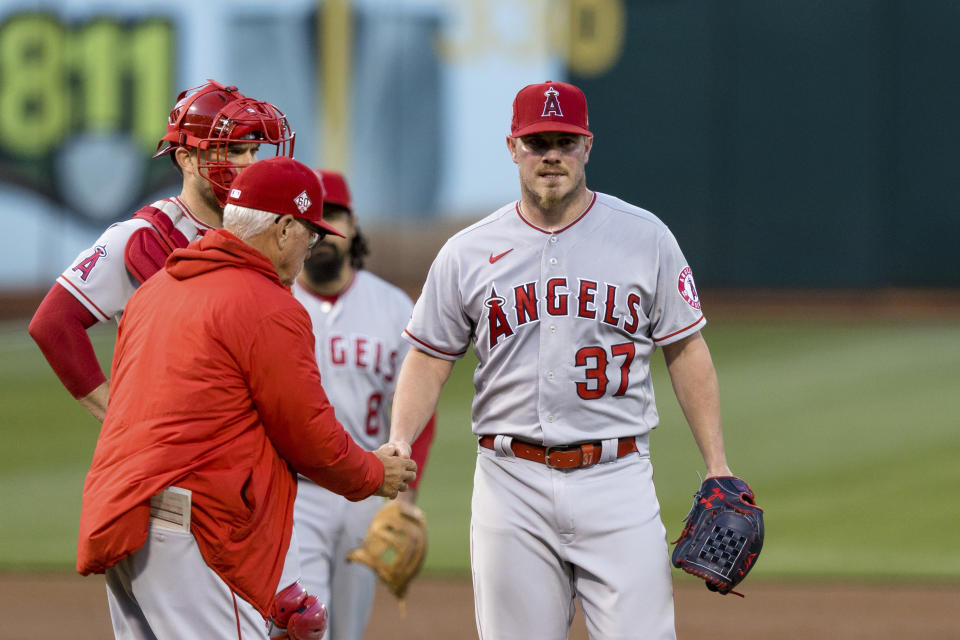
{"points": [[723, 536]]}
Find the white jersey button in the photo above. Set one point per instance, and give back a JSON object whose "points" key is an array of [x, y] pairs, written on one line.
{"points": [[553, 261], [550, 375], [325, 306], [553, 239], [549, 418], [553, 328]]}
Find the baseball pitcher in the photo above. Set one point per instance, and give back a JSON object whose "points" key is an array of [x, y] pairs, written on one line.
{"points": [[564, 294]]}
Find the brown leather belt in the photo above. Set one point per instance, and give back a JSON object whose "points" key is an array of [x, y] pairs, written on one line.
{"points": [[573, 456]]}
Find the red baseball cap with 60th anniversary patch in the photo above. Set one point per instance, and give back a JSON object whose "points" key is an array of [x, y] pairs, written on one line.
{"points": [[283, 186], [550, 106]]}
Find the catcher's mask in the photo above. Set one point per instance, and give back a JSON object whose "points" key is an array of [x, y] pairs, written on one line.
{"points": [[211, 117]]}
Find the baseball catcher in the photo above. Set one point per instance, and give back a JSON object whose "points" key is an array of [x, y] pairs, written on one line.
{"points": [[395, 545], [723, 535]]}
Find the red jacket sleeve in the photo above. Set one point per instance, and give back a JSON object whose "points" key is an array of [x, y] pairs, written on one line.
{"points": [[421, 448], [296, 414], [59, 327]]}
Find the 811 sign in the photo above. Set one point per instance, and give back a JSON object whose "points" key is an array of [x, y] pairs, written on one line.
{"points": [[82, 106], [102, 75]]}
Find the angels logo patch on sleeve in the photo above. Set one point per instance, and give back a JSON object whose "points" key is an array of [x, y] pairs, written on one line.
{"points": [[687, 288], [86, 265]]}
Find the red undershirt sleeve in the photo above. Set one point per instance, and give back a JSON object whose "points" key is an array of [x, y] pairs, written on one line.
{"points": [[59, 327], [421, 447]]}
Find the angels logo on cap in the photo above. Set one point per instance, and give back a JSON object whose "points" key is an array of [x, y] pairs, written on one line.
{"points": [[551, 106]]}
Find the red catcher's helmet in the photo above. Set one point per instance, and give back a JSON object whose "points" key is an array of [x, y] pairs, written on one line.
{"points": [[210, 117]]}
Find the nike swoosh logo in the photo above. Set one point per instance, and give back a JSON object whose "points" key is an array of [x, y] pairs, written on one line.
{"points": [[494, 258]]}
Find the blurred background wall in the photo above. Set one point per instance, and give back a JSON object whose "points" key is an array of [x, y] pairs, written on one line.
{"points": [[788, 143], [797, 143]]}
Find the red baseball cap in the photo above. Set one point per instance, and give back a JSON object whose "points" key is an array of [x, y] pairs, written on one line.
{"points": [[549, 106], [335, 189], [283, 186]]}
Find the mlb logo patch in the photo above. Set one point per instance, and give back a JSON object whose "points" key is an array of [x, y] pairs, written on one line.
{"points": [[234, 193], [302, 201]]}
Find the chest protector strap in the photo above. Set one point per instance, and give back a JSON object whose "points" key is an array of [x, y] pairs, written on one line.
{"points": [[148, 247]]}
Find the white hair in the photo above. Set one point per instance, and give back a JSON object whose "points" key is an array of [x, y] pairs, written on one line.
{"points": [[245, 222]]}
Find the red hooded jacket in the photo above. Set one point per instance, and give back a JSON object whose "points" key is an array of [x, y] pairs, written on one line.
{"points": [[215, 388]]}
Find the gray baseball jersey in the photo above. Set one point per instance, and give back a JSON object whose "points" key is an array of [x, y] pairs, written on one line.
{"points": [[563, 323], [359, 351]]}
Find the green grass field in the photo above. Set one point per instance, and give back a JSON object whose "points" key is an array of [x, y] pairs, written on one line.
{"points": [[847, 432]]}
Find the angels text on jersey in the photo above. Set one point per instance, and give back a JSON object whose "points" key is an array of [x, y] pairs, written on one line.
{"points": [[362, 353], [588, 299]]}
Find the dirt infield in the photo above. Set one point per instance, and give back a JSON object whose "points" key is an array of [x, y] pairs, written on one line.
{"points": [[57, 606]]}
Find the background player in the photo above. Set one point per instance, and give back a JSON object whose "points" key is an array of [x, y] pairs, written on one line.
{"points": [[565, 295], [212, 133], [357, 319]]}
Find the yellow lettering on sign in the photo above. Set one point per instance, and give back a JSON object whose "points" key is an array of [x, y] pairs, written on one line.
{"points": [[101, 76], [597, 31], [588, 34], [97, 57], [33, 102]]}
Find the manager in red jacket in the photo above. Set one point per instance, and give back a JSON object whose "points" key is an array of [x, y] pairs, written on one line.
{"points": [[188, 504]]}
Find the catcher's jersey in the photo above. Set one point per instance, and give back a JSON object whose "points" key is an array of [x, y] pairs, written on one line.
{"points": [[99, 278], [563, 323], [359, 351]]}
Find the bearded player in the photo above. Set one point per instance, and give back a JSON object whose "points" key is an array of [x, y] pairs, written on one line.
{"points": [[565, 295], [357, 321], [213, 132]]}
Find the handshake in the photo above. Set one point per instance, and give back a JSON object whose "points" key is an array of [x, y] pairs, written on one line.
{"points": [[398, 469]]}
